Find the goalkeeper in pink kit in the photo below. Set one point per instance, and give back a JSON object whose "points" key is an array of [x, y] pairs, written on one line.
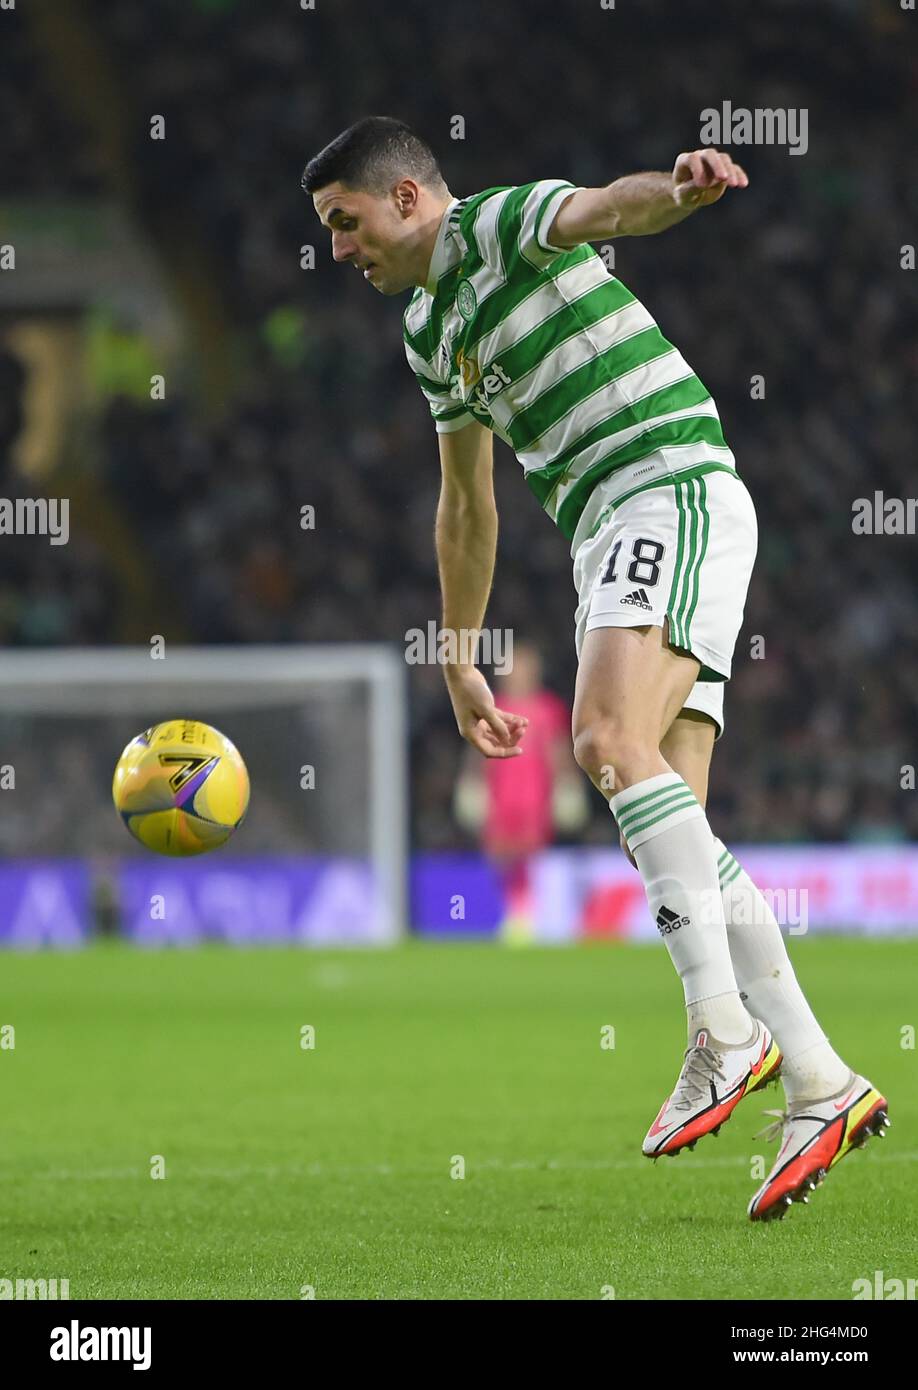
{"points": [[519, 806]]}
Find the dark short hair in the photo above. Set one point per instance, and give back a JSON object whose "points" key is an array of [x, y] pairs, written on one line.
{"points": [[371, 156]]}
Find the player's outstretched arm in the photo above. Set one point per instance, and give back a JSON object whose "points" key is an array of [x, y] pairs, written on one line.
{"points": [[642, 204], [466, 541]]}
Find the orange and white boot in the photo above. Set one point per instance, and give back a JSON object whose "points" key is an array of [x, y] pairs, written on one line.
{"points": [[815, 1135], [714, 1079]]}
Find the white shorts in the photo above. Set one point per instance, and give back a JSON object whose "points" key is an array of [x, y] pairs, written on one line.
{"points": [[682, 550]]}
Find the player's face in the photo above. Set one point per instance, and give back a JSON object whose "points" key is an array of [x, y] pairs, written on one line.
{"points": [[370, 233]]}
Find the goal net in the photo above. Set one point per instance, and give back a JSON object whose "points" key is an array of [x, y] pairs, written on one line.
{"points": [[321, 855]]}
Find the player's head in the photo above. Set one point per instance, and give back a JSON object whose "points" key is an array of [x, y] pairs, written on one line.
{"points": [[379, 190]]}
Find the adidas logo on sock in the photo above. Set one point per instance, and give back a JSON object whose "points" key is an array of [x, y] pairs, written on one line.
{"points": [[669, 921], [637, 599]]}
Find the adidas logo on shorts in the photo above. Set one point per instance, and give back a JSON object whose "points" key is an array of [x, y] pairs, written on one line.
{"points": [[637, 599], [669, 921]]}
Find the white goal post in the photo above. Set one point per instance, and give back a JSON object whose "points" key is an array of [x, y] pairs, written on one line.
{"points": [[352, 697]]}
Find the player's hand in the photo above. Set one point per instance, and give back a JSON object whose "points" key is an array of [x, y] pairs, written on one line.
{"points": [[496, 733], [702, 176]]}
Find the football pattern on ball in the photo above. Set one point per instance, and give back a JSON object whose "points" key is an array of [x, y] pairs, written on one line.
{"points": [[181, 787]]}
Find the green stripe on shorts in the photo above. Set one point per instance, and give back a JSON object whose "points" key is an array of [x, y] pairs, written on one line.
{"points": [[691, 547]]}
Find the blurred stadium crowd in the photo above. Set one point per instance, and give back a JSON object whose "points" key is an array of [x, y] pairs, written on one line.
{"points": [[798, 282]]}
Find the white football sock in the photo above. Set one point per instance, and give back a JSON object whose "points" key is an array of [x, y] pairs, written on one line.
{"points": [[811, 1069], [667, 832]]}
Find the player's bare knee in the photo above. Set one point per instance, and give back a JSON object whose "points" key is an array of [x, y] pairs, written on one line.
{"points": [[613, 758]]}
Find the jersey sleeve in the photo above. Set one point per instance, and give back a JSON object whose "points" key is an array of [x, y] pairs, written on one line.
{"points": [[512, 227], [448, 413]]}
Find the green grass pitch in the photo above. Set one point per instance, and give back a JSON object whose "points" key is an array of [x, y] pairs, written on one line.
{"points": [[330, 1168]]}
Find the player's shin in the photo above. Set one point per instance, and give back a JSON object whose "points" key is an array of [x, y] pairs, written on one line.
{"points": [[667, 832], [811, 1068]]}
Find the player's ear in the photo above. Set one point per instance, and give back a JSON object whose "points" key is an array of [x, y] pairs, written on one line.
{"points": [[407, 194]]}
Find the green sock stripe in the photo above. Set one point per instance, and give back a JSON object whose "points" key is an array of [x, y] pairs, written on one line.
{"points": [[642, 804], [675, 784], [684, 805], [725, 862], [636, 830], [653, 801]]}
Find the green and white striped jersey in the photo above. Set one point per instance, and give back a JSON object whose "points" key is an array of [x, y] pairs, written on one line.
{"points": [[557, 357]]}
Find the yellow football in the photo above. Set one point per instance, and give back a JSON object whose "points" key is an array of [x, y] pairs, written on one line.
{"points": [[181, 787]]}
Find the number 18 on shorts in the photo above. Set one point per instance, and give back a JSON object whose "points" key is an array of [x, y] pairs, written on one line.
{"points": [[683, 550]]}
